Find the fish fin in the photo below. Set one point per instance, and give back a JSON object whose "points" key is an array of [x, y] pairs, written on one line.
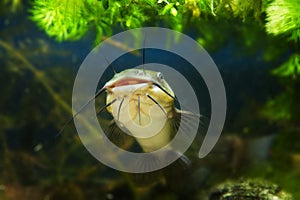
{"points": [[189, 117], [192, 126], [148, 178], [183, 162], [179, 167]]}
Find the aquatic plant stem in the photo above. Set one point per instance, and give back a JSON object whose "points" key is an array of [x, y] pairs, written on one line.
{"points": [[38, 74], [9, 171]]}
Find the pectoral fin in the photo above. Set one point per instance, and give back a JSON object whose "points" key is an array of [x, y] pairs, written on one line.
{"points": [[192, 127]]}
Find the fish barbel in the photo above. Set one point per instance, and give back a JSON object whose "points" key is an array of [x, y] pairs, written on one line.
{"points": [[143, 105]]}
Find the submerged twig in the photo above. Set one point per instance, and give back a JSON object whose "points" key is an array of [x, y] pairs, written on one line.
{"points": [[40, 76]]}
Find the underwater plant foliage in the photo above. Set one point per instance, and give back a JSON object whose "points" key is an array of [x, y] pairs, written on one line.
{"points": [[69, 19], [290, 68], [72, 19], [66, 19], [283, 18], [62, 19]]}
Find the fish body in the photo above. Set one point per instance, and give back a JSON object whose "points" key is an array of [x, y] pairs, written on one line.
{"points": [[142, 105]]}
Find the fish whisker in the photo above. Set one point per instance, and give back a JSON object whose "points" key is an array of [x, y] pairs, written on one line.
{"points": [[144, 56], [119, 109], [139, 108], [80, 110], [165, 91], [157, 104], [105, 106], [112, 68], [173, 97]]}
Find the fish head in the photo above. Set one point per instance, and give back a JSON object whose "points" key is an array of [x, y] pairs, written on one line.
{"points": [[139, 91]]}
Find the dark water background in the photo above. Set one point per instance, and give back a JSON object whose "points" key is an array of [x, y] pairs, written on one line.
{"points": [[35, 162]]}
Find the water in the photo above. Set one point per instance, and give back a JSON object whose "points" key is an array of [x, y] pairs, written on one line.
{"points": [[37, 76]]}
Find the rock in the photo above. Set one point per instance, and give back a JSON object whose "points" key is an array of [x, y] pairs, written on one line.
{"points": [[248, 190]]}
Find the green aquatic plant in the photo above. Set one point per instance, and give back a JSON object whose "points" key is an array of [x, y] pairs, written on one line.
{"points": [[65, 19], [70, 19], [278, 108], [283, 17], [251, 9], [290, 68]]}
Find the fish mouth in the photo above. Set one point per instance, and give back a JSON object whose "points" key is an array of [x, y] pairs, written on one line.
{"points": [[129, 81]]}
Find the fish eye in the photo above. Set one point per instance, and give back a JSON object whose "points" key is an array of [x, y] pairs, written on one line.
{"points": [[160, 76]]}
